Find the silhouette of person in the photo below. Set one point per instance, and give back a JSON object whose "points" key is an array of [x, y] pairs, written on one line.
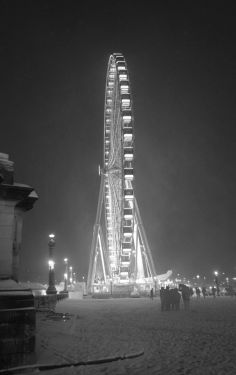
{"points": [[174, 299], [162, 297], [151, 294], [198, 292], [167, 298], [204, 292], [186, 294], [213, 289]]}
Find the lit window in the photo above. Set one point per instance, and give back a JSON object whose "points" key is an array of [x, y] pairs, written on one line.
{"points": [[123, 77], [125, 102]]}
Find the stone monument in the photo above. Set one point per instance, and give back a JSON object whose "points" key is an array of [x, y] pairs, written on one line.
{"points": [[17, 312]]}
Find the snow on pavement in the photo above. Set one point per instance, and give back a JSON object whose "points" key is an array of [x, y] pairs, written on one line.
{"points": [[201, 341]]}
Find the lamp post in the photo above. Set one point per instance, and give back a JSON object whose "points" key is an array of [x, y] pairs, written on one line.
{"points": [[217, 282], [198, 278], [71, 275], [66, 276], [51, 284]]}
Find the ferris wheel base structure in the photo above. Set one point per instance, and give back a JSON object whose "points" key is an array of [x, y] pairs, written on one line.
{"points": [[121, 262]]}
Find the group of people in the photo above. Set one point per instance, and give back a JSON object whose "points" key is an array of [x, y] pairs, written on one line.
{"points": [[214, 291], [199, 291], [170, 298]]}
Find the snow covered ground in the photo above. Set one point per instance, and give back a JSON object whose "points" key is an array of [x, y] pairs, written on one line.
{"points": [[199, 341]]}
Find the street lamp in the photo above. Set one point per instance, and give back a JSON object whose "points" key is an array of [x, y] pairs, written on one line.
{"points": [[71, 274], [84, 288], [66, 275], [51, 284], [217, 282]]}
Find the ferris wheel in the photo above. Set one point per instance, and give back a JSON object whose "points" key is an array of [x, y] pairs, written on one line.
{"points": [[120, 251], [119, 168]]}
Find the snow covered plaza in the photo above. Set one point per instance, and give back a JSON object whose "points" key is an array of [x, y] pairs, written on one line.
{"points": [[199, 341]]}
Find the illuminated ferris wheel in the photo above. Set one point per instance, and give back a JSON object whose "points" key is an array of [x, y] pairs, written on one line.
{"points": [[120, 253]]}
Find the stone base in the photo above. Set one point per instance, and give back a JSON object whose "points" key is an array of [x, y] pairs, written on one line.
{"points": [[17, 325], [46, 302], [51, 290]]}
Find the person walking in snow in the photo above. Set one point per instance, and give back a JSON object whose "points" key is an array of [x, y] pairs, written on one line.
{"points": [[204, 292], [186, 294], [213, 290], [163, 298], [151, 294], [174, 299], [198, 292]]}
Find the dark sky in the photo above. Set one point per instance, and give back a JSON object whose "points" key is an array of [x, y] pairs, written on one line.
{"points": [[181, 60]]}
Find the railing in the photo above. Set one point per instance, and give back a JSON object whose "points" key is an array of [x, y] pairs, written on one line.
{"points": [[49, 301]]}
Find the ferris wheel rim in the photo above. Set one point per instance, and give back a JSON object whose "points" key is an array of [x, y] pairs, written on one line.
{"points": [[118, 157]]}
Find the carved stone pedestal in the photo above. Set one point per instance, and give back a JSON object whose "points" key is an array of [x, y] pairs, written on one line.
{"points": [[17, 312], [17, 325]]}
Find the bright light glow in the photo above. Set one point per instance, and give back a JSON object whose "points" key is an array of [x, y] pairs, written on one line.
{"points": [[127, 234], [128, 155], [123, 77], [129, 196], [216, 273], [65, 260], [65, 276], [198, 276], [128, 216], [51, 235], [129, 177], [128, 137], [70, 268], [51, 264], [127, 118], [125, 102], [124, 89]]}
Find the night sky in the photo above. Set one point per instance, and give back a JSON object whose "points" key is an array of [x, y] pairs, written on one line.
{"points": [[181, 61]]}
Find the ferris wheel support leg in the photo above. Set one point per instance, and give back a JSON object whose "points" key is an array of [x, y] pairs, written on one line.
{"points": [[96, 229], [93, 258], [102, 255], [136, 247], [144, 240]]}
